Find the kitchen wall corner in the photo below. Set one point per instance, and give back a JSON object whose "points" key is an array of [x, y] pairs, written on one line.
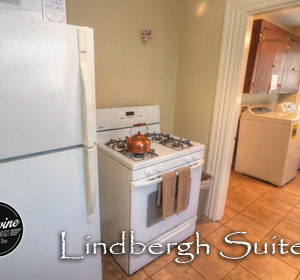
{"points": [[201, 32], [128, 71]]}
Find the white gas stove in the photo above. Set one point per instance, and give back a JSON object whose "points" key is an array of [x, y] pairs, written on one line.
{"points": [[129, 182]]}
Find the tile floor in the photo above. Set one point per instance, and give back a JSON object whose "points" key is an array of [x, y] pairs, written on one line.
{"points": [[261, 210]]}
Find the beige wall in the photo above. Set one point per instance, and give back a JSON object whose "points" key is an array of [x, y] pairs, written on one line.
{"points": [[271, 19], [128, 72], [252, 99], [201, 32]]}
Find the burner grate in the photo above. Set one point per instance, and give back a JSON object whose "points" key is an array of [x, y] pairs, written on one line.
{"points": [[158, 137], [118, 145], [138, 157], [169, 141], [121, 147]]}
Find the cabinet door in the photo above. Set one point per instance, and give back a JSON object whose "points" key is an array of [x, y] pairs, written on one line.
{"points": [[278, 65], [291, 74], [270, 61], [266, 59], [264, 68]]}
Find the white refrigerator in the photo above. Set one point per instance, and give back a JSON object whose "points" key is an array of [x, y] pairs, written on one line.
{"points": [[48, 158]]}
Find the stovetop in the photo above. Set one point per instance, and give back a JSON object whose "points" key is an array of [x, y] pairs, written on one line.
{"points": [[167, 151], [160, 153], [161, 138]]}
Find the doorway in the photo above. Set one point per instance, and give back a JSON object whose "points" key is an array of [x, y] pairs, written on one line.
{"points": [[232, 66]]}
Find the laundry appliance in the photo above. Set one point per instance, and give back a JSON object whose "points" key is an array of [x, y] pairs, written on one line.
{"points": [[268, 145]]}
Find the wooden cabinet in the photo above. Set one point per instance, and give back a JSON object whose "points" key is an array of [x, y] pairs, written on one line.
{"points": [[291, 72], [271, 66]]}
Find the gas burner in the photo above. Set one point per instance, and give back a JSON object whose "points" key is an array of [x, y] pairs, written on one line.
{"points": [[176, 144], [121, 146], [186, 142], [118, 145], [158, 137], [138, 157]]}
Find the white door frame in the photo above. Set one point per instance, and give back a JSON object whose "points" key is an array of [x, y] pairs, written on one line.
{"points": [[231, 73]]}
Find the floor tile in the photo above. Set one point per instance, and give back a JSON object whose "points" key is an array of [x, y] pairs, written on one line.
{"points": [[268, 267], [243, 193], [139, 275], [262, 216], [212, 266], [174, 271], [217, 239], [288, 258], [233, 182], [206, 227], [289, 229], [239, 273], [192, 238], [252, 188], [296, 180], [293, 188], [236, 204], [228, 215], [159, 263], [294, 215], [111, 270], [274, 205], [257, 185], [284, 196], [255, 232], [238, 176]]}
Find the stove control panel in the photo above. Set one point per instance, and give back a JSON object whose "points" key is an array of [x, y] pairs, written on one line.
{"points": [[189, 158], [193, 157], [134, 114], [118, 118], [163, 167], [153, 170]]}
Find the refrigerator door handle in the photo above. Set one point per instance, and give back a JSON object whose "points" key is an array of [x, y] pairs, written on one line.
{"points": [[88, 110], [91, 181]]}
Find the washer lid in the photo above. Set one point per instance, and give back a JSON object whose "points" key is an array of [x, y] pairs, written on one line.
{"points": [[260, 110], [283, 116]]}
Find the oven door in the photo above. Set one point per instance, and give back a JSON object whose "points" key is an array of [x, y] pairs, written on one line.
{"points": [[146, 217]]}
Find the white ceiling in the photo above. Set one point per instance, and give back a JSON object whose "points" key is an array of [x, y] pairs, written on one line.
{"points": [[288, 17]]}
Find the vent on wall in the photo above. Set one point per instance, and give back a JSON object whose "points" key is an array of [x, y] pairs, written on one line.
{"points": [[12, 2]]}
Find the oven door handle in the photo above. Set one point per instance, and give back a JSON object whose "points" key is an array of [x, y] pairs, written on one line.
{"points": [[135, 185]]}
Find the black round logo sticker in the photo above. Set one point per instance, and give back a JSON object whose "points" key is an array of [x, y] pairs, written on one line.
{"points": [[11, 229]]}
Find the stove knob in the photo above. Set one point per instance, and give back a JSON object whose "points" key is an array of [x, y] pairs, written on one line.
{"points": [[188, 159], [148, 171], [158, 168]]}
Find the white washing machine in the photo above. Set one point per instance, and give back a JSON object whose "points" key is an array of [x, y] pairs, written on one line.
{"points": [[269, 144], [289, 108]]}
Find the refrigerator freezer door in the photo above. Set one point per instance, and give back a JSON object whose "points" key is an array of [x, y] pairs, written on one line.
{"points": [[88, 96], [41, 91], [48, 192]]}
